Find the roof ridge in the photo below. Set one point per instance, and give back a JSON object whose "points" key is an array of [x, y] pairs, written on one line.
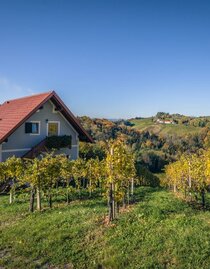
{"points": [[29, 96]]}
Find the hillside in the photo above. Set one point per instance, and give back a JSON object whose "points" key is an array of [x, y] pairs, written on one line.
{"points": [[153, 143], [147, 124], [159, 231]]}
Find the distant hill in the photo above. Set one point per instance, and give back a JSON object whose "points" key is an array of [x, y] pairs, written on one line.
{"points": [[162, 124], [148, 124], [156, 140], [171, 124]]}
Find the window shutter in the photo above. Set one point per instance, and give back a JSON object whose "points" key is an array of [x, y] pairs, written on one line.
{"points": [[28, 127]]}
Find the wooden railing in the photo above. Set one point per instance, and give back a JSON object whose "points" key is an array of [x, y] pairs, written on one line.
{"points": [[36, 150]]}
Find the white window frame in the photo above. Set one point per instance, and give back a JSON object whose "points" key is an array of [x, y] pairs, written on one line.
{"points": [[36, 121], [53, 121]]}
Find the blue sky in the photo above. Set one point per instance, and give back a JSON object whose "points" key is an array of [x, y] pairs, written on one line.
{"points": [[108, 58]]}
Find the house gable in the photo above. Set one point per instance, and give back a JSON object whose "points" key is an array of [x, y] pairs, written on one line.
{"points": [[20, 142], [24, 123], [14, 113]]}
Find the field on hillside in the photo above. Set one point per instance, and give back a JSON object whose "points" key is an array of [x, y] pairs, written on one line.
{"points": [[159, 231], [148, 125]]}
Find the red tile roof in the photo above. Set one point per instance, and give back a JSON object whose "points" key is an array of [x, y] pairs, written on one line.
{"points": [[14, 113]]}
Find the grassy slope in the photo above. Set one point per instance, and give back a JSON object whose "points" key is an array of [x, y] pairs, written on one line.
{"points": [[159, 232], [148, 124]]}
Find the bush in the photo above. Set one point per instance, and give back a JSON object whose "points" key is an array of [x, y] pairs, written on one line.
{"points": [[57, 142], [145, 177]]}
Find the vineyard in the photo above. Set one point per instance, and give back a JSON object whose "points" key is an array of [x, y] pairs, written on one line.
{"points": [[54, 175], [190, 176], [104, 212]]}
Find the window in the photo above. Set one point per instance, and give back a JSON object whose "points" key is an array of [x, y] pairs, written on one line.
{"points": [[32, 127], [53, 128]]}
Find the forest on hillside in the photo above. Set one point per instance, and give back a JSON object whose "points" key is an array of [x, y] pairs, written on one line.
{"points": [[152, 150]]}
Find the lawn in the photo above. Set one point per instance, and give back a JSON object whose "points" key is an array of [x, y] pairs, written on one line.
{"points": [[159, 231]]}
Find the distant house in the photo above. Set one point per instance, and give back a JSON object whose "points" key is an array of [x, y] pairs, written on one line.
{"points": [[26, 123], [165, 121]]}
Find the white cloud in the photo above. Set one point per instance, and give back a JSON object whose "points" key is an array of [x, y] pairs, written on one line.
{"points": [[10, 90]]}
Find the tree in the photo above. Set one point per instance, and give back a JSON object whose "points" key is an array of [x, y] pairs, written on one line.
{"points": [[14, 171], [79, 172], [190, 174], [50, 168], [66, 173], [119, 170], [92, 173], [3, 173], [91, 151], [33, 175]]}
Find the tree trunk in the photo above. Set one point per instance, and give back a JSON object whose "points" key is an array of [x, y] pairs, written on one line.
{"points": [[174, 187], [50, 193], [56, 195], [83, 183], [132, 186], [32, 197], [128, 195], [100, 187], [113, 201], [123, 201], [118, 208], [67, 192], [38, 198], [111, 196], [50, 199], [203, 198], [110, 203], [90, 188], [67, 197], [132, 190], [11, 196]]}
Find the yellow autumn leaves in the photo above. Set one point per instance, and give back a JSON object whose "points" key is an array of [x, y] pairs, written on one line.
{"points": [[190, 174]]}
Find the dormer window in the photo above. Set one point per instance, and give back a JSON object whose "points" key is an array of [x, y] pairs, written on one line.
{"points": [[32, 128]]}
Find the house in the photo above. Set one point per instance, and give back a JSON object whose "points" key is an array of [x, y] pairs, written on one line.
{"points": [[26, 123], [165, 121]]}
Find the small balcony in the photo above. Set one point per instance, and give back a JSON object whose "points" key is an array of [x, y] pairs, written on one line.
{"points": [[49, 143]]}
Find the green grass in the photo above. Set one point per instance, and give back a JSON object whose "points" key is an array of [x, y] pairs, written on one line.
{"points": [[160, 231], [142, 123], [163, 129]]}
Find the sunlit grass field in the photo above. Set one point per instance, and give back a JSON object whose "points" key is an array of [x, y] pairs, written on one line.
{"points": [[164, 129], [159, 231]]}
